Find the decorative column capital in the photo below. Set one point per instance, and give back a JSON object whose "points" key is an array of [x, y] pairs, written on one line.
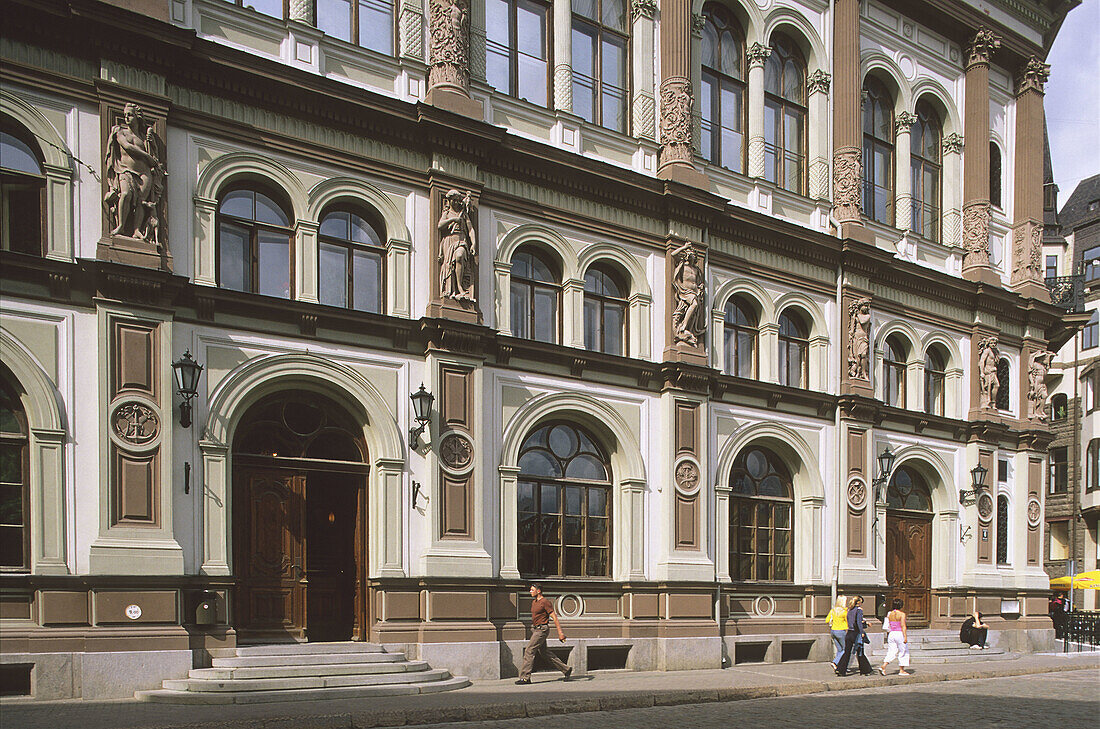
{"points": [[1032, 76], [757, 54], [818, 82], [982, 46], [953, 144], [643, 9], [904, 121], [698, 20]]}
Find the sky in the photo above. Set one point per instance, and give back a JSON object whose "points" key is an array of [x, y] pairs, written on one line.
{"points": [[1073, 99]]}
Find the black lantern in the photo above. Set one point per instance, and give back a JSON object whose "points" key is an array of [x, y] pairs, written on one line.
{"points": [[187, 372], [422, 412], [977, 477], [885, 466]]}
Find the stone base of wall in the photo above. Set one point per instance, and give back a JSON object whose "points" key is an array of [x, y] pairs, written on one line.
{"points": [[99, 675]]}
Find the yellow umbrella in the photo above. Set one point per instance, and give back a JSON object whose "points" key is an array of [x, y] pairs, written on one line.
{"points": [[1081, 581]]}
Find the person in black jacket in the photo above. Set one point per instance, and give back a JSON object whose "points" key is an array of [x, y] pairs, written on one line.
{"points": [[974, 631], [854, 639]]}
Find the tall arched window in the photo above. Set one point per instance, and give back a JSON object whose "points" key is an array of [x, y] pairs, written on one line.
{"points": [[908, 491], [14, 483], [1059, 407], [351, 251], [994, 174], [600, 80], [23, 191], [564, 499], [535, 296], [1004, 382], [254, 243], [740, 332], [722, 94], [604, 311], [934, 378], [1002, 529], [927, 171], [517, 48], [368, 23], [794, 349], [785, 116], [893, 373], [761, 542], [878, 151]]}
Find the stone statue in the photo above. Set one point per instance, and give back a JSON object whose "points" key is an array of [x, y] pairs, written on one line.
{"points": [[859, 339], [1037, 386], [134, 201], [988, 384], [688, 284], [457, 248], [449, 43]]}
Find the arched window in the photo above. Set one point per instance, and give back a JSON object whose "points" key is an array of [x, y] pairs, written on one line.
{"points": [[350, 250], [1004, 377], [1002, 529], [893, 373], [761, 542], [794, 349], [368, 23], [23, 190], [535, 296], [517, 48], [300, 425], [1059, 407], [604, 311], [785, 116], [740, 332], [927, 171], [722, 93], [600, 80], [878, 151], [908, 490], [14, 483], [994, 174], [564, 498], [934, 378], [254, 243]]}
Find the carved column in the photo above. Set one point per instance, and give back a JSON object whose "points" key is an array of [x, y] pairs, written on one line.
{"points": [[903, 180], [449, 57], [1027, 229], [675, 160], [847, 134], [976, 158], [756, 54], [563, 55]]}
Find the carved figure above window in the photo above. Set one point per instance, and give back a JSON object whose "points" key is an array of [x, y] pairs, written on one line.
{"points": [[457, 248], [134, 201]]}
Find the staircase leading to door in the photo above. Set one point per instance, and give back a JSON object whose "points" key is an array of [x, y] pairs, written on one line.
{"points": [[304, 672], [942, 646]]}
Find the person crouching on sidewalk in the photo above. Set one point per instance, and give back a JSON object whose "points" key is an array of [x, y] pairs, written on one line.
{"points": [[542, 611]]}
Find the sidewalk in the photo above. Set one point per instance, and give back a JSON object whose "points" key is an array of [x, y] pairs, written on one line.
{"points": [[484, 700]]}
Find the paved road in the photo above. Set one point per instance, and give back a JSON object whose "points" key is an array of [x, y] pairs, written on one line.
{"points": [[1068, 700]]}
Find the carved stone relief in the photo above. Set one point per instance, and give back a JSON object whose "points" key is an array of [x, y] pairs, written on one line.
{"points": [[457, 248], [818, 82], [757, 54], [689, 320], [449, 44], [687, 477], [953, 143], [134, 199], [905, 120], [985, 506], [1037, 386], [847, 173], [859, 339], [135, 423], [1027, 253], [984, 43], [976, 233], [988, 384], [676, 103], [1032, 76], [1034, 512], [456, 452], [857, 494], [643, 9]]}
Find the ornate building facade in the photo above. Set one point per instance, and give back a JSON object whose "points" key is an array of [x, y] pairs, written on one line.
{"points": [[676, 276]]}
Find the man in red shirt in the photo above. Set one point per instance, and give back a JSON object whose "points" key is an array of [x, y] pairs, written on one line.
{"points": [[542, 610]]}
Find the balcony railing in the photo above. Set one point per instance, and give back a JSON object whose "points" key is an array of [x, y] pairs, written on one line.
{"points": [[1067, 292]]}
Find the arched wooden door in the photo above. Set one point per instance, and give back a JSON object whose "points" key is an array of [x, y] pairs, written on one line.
{"points": [[909, 544], [299, 510]]}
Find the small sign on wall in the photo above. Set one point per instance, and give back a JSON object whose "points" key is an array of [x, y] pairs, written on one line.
{"points": [[133, 612], [985, 535]]}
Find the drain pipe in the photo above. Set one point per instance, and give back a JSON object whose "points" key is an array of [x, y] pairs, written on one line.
{"points": [[835, 591]]}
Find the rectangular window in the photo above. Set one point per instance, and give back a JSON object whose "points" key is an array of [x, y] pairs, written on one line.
{"points": [[13, 480], [1002, 471], [1092, 465], [1051, 266], [1059, 540], [1091, 259], [1092, 388], [599, 62], [368, 23], [516, 49], [1059, 470], [1090, 335]]}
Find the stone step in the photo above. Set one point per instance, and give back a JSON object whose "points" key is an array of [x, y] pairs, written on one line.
{"points": [[331, 669], [304, 682], [971, 658], [316, 694], [977, 655], [299, 649], [307, 659]]}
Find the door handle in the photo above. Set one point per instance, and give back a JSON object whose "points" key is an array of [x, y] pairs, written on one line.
{"points": [[298, 571]]}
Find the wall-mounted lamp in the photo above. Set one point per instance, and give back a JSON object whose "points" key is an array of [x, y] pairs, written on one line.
{"points": [[187, 372], [977, 476], [422, 412], [417, 492], [885, 467]]}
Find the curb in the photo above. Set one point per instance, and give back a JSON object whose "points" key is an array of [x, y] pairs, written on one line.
{"points": [[632, 700]]}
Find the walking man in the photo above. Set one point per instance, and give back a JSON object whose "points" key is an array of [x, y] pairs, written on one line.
{"points": [[542, 610]]}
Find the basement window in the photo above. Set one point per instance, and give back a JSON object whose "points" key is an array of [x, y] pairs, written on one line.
{"points": [[15, 679]]}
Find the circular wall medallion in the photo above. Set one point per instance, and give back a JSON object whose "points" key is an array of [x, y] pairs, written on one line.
{"points": [[1034, 512], [456, 452], [985, 506], [133, 612], [857, 494], [763, 605], [570, 606], [135, 423], [687, 477]]}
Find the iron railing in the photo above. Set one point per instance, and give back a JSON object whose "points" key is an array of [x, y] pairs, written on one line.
{"points": [[1068, 292], [1081, 631]]}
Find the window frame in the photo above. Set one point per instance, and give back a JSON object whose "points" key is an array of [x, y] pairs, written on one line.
{"points": [[379, 250], [1002, 510], [577, 21], [531, 285], [1004, 385], [894, 373], [731, 332], [721, 80], [776, 466], [513, 51], [12, 180], [1090, 262], [603, 301], [802, 342], [996, 176], [21, 441], [354, 23], [937, 403], [254, 227], [872, 86], [1090, 333], [1058, 476], [782, 104], [928, 120]]}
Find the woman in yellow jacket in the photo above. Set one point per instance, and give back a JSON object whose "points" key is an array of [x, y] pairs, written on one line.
{"points": [[838, 626]]}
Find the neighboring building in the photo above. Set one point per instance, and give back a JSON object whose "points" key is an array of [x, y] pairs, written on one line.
{"points": [[670, 321], [1073, 483]]}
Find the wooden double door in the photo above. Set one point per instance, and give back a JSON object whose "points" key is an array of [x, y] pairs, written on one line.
{"points": [[909, 563], [299, 554]]}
